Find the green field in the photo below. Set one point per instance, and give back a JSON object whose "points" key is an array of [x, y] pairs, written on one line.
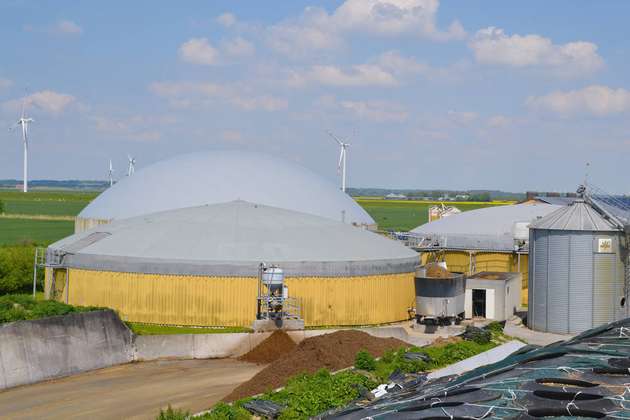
{"points": [[406, 215], [50, 203], [389, 214], [15, 231]]}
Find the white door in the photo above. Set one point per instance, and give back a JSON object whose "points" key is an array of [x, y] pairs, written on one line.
{"points": [[490, 304], [468, 314]]}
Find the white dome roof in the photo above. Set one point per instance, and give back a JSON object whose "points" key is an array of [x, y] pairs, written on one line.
{"points": [[222, 176], [231, 239], [485, 228]]}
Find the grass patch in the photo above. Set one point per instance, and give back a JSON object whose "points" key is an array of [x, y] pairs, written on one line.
{"points": [[16, 231], [153, 329], [53, 203], [24, 307], [406, 215]]}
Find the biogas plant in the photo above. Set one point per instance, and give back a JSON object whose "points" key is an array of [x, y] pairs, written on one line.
{"points": [[182, 242], [203, 240]]}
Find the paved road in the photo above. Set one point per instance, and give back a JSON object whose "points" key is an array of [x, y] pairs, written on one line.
{"points": [[135, 391]]}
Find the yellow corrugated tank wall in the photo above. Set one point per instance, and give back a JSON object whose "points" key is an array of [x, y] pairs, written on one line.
{"points": [[81, 224], [231, 301], [459, 261]]}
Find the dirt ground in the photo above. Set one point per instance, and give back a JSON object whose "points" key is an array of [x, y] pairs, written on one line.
{"points": [[133, 391], [332, 351]]}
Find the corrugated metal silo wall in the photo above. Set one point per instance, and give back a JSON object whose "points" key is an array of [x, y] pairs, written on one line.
{"points": [[558, 281], [573, 286], [608, 283], [538, 257], [581, 282]]}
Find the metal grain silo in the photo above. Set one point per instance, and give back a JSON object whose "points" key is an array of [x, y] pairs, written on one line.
{"points": [[576, 270]]}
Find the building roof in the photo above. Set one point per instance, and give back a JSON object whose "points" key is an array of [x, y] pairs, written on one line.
{"points": [[559, 201], [489, 228], [578, 216], [495, 275], [222, 176], [231, 239]]}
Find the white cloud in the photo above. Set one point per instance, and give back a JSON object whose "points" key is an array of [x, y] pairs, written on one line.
{"points": [[187, 94], [68, 27], [5, 83], [595, 100], [377, 111], [46, 100], [317, 30], [313, 31], [227, 19], [493, 46], [232, 136], [238, 47], [371, 110], [462, 117], [395, 17], [199, 51], [397, 63], [359, 75], [499, 121], [138, 127], [264, 102]]}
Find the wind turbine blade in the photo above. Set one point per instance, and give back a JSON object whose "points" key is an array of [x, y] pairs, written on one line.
{"points": [[343, 152], [335, 137]]}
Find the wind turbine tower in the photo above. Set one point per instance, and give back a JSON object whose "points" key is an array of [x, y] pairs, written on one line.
{"points": [[111, 173], [341, 165], [132, 165], [24, 121]]}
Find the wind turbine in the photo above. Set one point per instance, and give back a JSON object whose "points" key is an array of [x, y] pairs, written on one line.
{"points": [[24, 121], [111, 173], [132, 165], [341, 165]]}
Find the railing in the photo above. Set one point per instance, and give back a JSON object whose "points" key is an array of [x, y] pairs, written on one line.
{"points": [[278, 307]]}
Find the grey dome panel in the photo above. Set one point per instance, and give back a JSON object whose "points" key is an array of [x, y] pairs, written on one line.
{"points": [[223, 176], [231, 239]]}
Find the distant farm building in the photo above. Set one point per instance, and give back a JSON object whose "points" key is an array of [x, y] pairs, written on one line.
{"points": [[219, 177], [488, 239], [198, 265], [393, 196], [439, 211]]}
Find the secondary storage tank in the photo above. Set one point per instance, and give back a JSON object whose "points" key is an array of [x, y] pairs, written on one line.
{"points": [[439, 295], [576, 271]]}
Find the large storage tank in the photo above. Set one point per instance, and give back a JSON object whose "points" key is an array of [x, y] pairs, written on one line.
{"points": [[214, 177], [440, 295], [199, 266], [576, 271]]}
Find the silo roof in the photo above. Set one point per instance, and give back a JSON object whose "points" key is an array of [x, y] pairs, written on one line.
{"points": [[488, 228], [231, 239], [578, 216], [213, 177]]}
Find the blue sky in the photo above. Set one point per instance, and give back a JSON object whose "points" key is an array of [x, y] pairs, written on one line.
{"points": [[452, 94]]}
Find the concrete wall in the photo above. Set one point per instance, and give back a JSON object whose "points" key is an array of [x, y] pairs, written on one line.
{"points": [[33, 351], [196, 346]]}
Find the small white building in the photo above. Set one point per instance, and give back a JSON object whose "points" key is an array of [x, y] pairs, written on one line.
{"points": [[492, 295]]}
